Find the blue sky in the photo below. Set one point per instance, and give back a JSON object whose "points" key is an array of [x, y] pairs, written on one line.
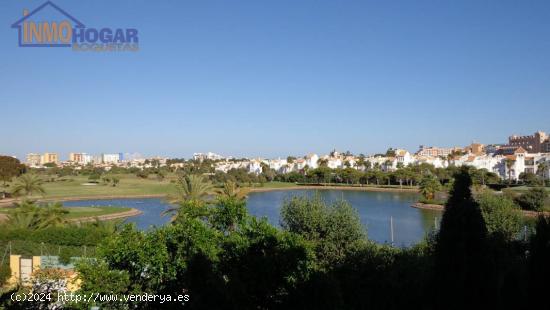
{"points": [[272, 78]]}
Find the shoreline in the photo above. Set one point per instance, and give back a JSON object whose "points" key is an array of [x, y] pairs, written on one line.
{"points": [[4, 204], [441, 208], [107, 217], [332, 187]]}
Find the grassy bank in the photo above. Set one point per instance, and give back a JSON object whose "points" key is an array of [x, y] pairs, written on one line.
{"points": [[81, 212]]}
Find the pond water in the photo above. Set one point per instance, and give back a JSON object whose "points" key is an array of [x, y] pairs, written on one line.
{"points": [[376, 210]]}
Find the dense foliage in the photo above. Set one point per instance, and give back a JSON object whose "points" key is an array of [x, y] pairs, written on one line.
{"points": [[502, 217], [533, 199], [9, 168], [320, 258]]}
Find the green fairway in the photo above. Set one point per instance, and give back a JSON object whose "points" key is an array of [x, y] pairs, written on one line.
{"points": [[129, 185]]}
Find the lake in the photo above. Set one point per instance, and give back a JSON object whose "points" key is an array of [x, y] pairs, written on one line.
{"points": [[375, 209]]}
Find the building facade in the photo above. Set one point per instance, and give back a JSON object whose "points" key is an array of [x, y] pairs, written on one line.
{"points": [[110, 158], [533, 144], [49, 158], [437, 151], [34, 159]]}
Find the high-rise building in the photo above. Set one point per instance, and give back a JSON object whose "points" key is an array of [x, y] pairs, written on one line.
{"points": [[49, 158], [76, 157], [80, 158], [34, 159], [110, 158]]}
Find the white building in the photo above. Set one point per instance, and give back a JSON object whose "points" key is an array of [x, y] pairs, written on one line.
{"points": [[403, 157], [277, 164], [255, 166], [209, 155], [110, 158], [311, 161]]}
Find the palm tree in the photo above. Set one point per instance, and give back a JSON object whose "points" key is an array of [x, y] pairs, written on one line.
{"points": [[25, 215], [429, 186], [194, 187], [52, 215], [509, 164], [27, 185], [541, 169], [28, 215], [232, 190], [194, 194]]}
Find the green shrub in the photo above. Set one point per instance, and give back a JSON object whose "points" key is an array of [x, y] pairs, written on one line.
{"points": [[70, 236], [5, 274], [502, 217], [533, 199]]}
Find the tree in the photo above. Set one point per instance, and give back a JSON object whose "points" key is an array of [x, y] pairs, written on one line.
{"points": [[28, 215], [194, 194], [542, 167], [262, 266], [400, 175], [529, 178], [10, 168], [463, 272], [106, 180], [232, 190], [335, 229], [52, 215], [429, 185], [502, 217], [533, 199], [96, 277], [142, 174], [194, 187], [228, 213], [115, 181], [539, 269], [509, 163], [5, 274], [27, 185], [94, 177]]}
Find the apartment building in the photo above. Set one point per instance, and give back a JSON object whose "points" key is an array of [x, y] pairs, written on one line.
{"points": [[437, 151], [49, 158], [34, 159], [110, 158]]}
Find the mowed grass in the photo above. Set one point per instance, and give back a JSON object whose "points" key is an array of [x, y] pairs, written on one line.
{"points": [[80, 212], [274, 184], [129, 185]]}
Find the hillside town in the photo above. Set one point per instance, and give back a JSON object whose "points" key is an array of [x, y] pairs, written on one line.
{"points": [[522, 154]]}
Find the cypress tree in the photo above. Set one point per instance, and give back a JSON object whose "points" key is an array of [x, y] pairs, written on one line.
{"points": [[539, 263], [463, 271]]}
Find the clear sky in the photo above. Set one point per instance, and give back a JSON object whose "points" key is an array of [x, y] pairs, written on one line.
{"points": [[272, 78]]}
